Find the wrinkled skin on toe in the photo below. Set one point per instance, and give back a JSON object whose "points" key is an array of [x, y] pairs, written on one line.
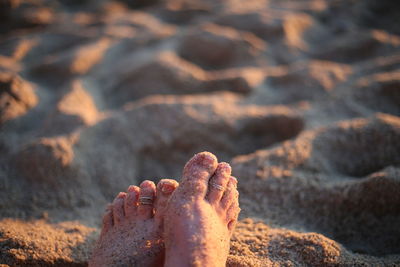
{"points": [[201, 214], [132, 231]]}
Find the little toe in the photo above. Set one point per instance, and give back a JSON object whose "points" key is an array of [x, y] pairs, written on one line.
{"points": [[146, 199], [118, 208], [164, 190], [131, 201], [218, 182], [196, 174], [231, 194], [232, 216], [107, 220]]}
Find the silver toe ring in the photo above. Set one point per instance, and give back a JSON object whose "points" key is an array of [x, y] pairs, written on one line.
{"points": [[217, 186], [145, 200]]}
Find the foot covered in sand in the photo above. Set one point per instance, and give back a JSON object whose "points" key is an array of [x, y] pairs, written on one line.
{"points": [[201, 214], [132, 228]]}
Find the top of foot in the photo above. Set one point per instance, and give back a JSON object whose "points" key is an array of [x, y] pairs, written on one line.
{"points": [[132, 228], [201, 214]]}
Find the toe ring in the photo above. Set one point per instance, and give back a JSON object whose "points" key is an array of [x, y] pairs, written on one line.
{"points": [[217, 186], [145, 200]]}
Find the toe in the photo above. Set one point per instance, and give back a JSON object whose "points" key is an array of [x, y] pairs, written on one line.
{"points": [[218, 182], [231, 194], [164, 190], [232, 216], [107, 220], [118, 208], [131, 201], [197, 173], [146, 199]]}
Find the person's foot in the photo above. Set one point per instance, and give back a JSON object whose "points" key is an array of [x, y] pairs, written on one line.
{"points": [[132, 228], [201, 214]]}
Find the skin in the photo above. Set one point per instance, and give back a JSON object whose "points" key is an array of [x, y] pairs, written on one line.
{"points": [[132, 233], [199, 219]]}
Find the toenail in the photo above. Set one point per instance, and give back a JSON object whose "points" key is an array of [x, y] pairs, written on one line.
{"points": [[234, 180], [225, 169], [167, 188], [121, 195], [208, 159], [146, 183], [131, 188]]}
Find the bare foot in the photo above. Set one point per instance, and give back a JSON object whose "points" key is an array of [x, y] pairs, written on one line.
{"points": [[201, 214], [133, 226]]}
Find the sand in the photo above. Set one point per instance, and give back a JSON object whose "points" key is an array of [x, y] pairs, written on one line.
{"points": [[301, 97]]}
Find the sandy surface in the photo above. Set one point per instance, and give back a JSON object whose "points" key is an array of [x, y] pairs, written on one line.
{"points": [[301, 97]]}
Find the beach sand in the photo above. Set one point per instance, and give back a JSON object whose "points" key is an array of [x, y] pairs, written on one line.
{"points": [[301, 97]]}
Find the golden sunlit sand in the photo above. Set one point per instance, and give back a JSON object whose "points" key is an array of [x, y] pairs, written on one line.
{"points": [[301, 97]]}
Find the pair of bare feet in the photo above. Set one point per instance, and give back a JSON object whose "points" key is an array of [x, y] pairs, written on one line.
{"points": [[170, 225]]}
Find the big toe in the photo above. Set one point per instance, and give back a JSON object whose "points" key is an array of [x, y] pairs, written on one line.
{"points": [[165, 188], [197, 173]]}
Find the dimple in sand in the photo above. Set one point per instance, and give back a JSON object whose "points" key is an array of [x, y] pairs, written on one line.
{"points": [[171, 224]]}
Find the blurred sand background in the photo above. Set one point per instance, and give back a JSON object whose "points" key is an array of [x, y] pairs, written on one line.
{"points": [[301, 97]]}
